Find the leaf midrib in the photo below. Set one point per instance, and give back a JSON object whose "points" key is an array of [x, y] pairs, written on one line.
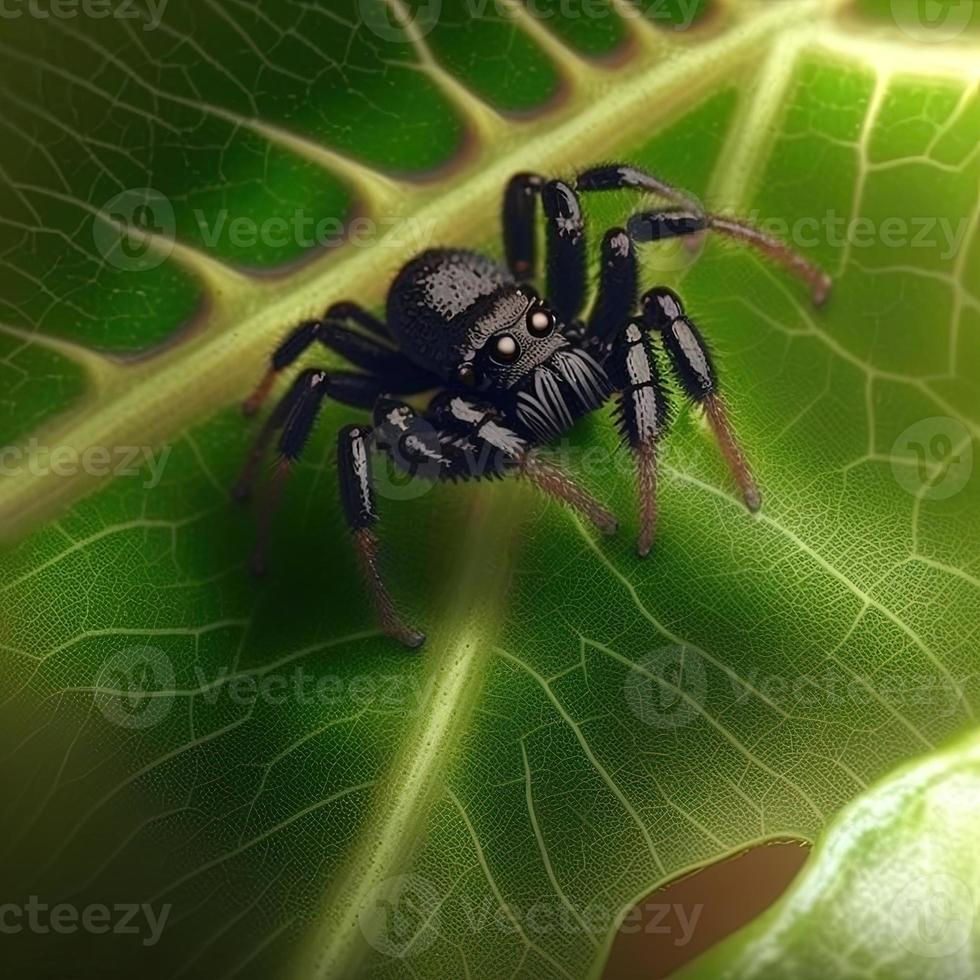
{"points": [[143, 404]]}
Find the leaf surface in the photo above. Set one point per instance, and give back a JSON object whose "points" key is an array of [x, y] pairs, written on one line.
{"points": [[307, 799]]}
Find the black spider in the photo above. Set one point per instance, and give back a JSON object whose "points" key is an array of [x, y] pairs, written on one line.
{"points": [[513, 370]]}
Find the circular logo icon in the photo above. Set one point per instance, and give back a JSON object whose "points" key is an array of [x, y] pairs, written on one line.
{"points": [[933, 458], [136, 230], [382, 18], [401, 918], [666, 688], [409, 467], [135, 687], [675, 242], [934, 915], [932, 21]]}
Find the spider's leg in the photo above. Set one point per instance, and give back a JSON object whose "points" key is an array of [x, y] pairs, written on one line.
{"points": [[688, 218], [357, 348], [347, 310], [305, 399], [294, 424], [643, 416], [518, 220], [616, 299], [295, 344], [260, 446], [655, 226], [358, 390], [385, 363], [621, 176], [564, 235], [492, 448], [360, 511], [691, 361]]}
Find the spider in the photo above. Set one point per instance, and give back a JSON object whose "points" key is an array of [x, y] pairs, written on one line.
{"points": [[512, 369]]}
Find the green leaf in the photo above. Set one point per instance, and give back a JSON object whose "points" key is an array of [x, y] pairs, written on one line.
{"points": [[890, 893], [306, 799]]}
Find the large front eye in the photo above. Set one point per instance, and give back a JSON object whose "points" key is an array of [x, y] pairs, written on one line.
{"points": [[506, 350], [540, 322]]}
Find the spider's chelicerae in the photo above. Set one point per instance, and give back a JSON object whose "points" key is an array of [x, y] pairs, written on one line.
{"points": [[512, 369]]}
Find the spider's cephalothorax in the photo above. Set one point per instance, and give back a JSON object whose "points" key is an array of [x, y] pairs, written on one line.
{"points": [[510, 370]]}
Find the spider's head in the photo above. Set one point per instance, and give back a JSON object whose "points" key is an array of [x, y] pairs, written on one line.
{"points": [[517, 354], [510, 334]]}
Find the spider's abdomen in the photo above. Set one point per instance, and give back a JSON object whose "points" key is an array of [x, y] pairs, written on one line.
{"points": [[429, 300]]}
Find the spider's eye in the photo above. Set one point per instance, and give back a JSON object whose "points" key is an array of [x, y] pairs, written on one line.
{"points": [[466, 375], [540, 322], [506, 350]]}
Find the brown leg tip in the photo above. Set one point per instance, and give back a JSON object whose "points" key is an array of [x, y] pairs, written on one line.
{"points": [[410, 639], [643, 548], [240, 493], [821, 291], [753, 500], [256, 565]]}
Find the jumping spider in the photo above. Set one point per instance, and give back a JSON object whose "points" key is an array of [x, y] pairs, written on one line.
{"points": [[513, 370]]}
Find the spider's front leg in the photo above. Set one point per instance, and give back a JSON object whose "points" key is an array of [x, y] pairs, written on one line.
{"points": [[643, 416], [489, 447], [692, 365], [565, 261], [686, 218]]}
